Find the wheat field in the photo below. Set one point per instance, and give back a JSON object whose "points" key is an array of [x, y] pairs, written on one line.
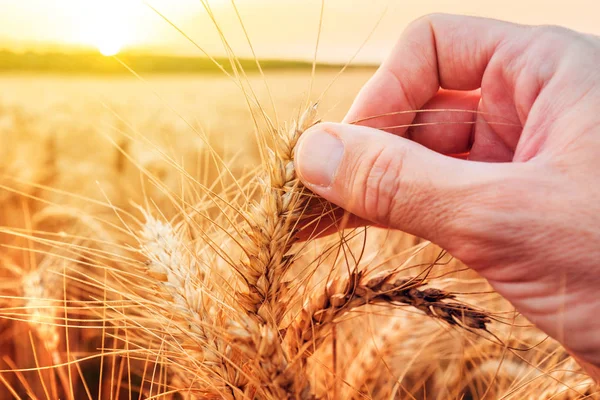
{"points": [[149, 231]]}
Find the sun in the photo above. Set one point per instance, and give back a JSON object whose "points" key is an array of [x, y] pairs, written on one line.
{"points": [[109, 25], [109, 46]]}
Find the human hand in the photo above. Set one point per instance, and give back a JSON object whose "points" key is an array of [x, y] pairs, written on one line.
{"points": [[524, 209]]}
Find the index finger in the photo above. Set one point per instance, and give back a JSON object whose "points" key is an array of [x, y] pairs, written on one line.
{"points": [[439, 50]]}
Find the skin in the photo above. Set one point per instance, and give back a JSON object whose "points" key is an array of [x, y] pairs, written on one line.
{"points": [[523, 208]]}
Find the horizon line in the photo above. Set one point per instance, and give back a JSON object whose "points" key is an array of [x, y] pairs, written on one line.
{"points": [[89, 60]]}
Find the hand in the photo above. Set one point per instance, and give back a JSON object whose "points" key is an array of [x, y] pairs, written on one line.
{"points": [[524, 208]]}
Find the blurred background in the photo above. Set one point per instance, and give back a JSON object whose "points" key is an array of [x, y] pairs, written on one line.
{"points": [[280, 29]]}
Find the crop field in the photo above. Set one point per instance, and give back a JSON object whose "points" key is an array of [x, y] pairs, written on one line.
{"points": [[149, 248]]}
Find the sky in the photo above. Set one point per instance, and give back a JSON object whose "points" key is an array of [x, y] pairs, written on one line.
{"points": [[277, 28]]}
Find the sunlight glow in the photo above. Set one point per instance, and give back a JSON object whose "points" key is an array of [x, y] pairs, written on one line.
{"points": [[109, 25], [108, 48]]}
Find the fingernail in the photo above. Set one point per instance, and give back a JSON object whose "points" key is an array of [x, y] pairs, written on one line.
{"points": [[318, 157]]}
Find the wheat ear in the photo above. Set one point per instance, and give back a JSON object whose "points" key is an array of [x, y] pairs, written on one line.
{"points": [[344, 294], [272, 224], [270, 234], [37, 290], [191, 317], [175, 273]]}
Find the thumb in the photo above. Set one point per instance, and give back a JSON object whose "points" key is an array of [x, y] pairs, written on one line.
{"points": [[392, 181]]}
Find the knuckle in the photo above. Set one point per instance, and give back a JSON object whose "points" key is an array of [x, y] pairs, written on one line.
{"points": [[431, 18], [382, 183], [416, 23], [424, 23]]}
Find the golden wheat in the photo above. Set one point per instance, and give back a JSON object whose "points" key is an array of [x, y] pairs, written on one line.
{"points": [[180, 274]]}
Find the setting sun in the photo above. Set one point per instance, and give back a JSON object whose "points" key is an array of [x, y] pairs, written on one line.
{"points": [[109, 25], [109, 48]]}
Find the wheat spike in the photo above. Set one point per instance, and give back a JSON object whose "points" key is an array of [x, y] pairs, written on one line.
{"points": [[272, 225], [344, 294], [178, 284], [37, 290], [175, 272]]}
